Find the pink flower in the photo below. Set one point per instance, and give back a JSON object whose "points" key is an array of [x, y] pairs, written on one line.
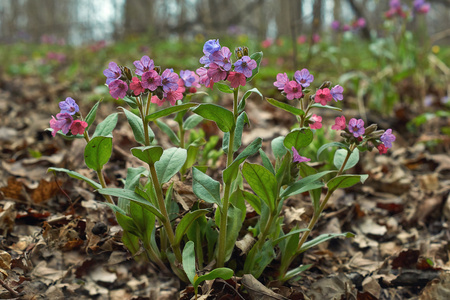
{"points": [[173, 96], [118, 89], [282, 79], [136, 86], [382, 149], [267, 43], [293, 90], [340, 123], [216, 73], [317, 122], [236, 79], [204, 78], [157, 101], [323, 96], [151, 80], [297, 157], [301, 39], [62, 122], [78, 127], [316, 38]]}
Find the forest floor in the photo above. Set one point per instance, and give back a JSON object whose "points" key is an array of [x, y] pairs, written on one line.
{"points": [[58, 241]]}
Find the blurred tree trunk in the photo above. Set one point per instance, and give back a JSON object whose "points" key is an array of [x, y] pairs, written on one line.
{"points": [[359, 12], [282, 18], [317, 17], [139, 17], [337, 10]]}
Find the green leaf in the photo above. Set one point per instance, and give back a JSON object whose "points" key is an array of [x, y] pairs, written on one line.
{"points": [[318, 105], [341, 154], [186, 222], [76, 175], [223, 88], [240, 122], [291, 233], [234, 225], [230, 173], [305, 184], [224, 273], [137, 127], [192, 121], [168, 111], [345, 181], [298, 138], [131, 102], [131, 242], [296, 271], [170, 163], [131, 182], [222, 116], [257, 56], [253, 200], [106, 127], [127, 224], [306, 171], [148, 154], [278, 148], [241, 105], [167, 130], [205, 187], [262, 182], [322, 238], [266, 161], [144, 220], [286, 107], [131, 195], [326, 146], [97, 152], [92, 114], [189, 261]]}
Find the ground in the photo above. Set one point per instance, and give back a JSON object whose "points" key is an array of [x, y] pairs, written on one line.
{"points": [[60, 242]]}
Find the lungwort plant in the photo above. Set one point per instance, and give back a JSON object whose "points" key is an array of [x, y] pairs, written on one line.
{"points": [[207, 234]]}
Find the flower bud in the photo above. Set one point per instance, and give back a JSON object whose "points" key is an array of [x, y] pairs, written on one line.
{"points": [[376, 134], [239, 52], [325, 84], [127, 72], [370, 146], [245, 50], [370, 129], [157, 69]]}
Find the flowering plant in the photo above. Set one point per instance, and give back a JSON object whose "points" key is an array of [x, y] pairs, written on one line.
{"points": [[208, 232]]}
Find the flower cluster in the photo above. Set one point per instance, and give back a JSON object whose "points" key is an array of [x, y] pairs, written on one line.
{"points": [[165, 86], [218, 65], [397, 9], [355, 133], [357, 24], [64, 120]]}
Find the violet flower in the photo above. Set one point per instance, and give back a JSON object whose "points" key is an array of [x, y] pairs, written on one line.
{"points": [[112, 73], [245, 65], [143, 65], [118, 89], [303, 77], [69, 106], [356, 127]]}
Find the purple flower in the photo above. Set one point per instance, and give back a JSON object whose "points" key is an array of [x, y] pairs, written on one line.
{"points": [[282, 79], [216, 73], [293, 90], [297, 157], [395, 4], [69, 106], [144, 65], [151, 80], [356, 127], [189, 78], [345, 28], [222, 58], [421, 6], [303, 77], [336, 92], [112, 73], [335, 25], [169, 80], [245, 65], [387, 138], [118, 89], [62, 122], [211, 47]]}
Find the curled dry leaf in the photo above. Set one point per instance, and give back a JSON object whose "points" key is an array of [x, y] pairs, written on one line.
{"points": [[257, 290], [5, 264]]}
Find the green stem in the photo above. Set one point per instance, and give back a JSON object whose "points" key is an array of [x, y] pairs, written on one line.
{"points": [[226, 196], [315, 218], [166, 221]]}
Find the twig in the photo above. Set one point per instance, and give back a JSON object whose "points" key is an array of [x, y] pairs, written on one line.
{"points": [[10, 290]]}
